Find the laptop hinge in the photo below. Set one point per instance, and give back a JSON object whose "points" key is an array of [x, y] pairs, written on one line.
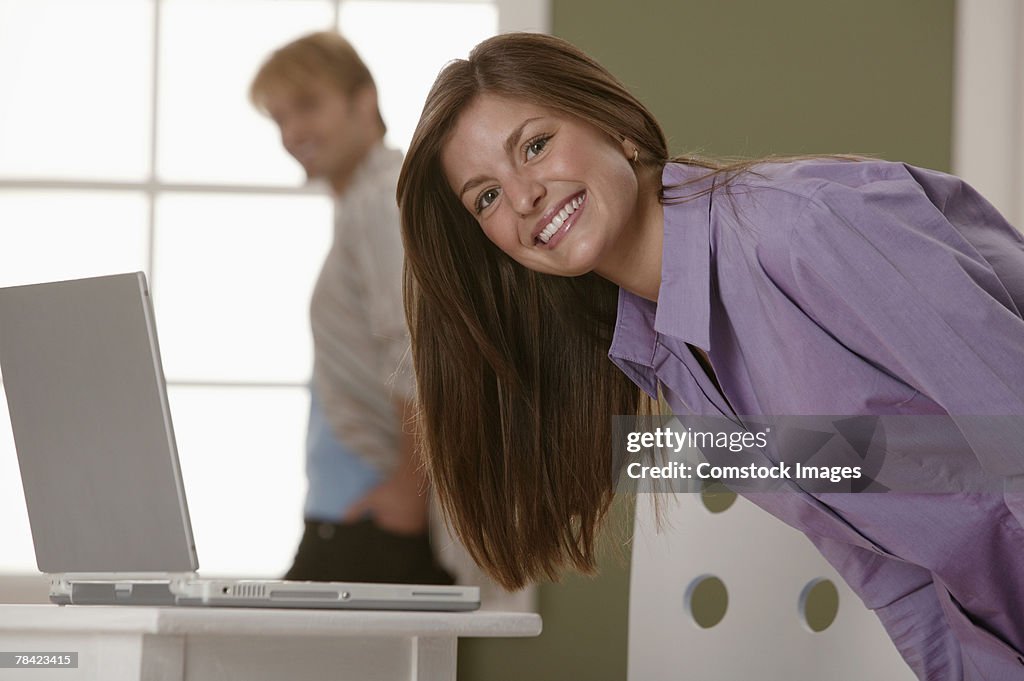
{"points": [[109, 588], [120, 576]]}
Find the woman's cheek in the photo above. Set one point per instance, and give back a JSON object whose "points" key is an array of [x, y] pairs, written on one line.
{"points": [[497, 236]]}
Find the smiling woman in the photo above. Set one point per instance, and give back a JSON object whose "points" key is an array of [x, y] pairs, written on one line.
{"points": [[547, 232], [522, 353], [510, 333]]}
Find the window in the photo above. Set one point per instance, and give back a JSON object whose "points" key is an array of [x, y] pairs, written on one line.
{"points": [[127, 143]]}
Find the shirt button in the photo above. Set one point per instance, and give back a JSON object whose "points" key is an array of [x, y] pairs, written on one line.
{"points": [[325, 531]]}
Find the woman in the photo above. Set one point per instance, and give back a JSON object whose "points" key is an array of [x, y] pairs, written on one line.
{"points": [[547, 231]]}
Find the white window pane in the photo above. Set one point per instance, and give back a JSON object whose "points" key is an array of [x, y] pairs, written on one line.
{"points": [[17, 554], [75, 83], [48, 235], [209, 53], [242, 458], [430, 34], [233, 279]]}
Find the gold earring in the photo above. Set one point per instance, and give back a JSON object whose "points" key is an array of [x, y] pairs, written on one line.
{"points": [[636, 154]]}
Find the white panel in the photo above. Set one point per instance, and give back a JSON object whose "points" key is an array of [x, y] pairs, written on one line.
{"points": [[242, 458], [75, 84], [232, 281], [524, 15], [49, 235], [765, 565], [405, 45], [209, 54], [1018, 218], [295, 658], [988, 114]]}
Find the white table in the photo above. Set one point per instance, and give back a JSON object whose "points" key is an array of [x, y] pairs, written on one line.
{"points": [[131, 643]]}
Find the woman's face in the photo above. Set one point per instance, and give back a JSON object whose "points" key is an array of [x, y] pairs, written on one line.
{"points": [[553, 192]]}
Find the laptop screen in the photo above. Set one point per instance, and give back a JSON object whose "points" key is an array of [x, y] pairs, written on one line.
{"points": [[88, 406]]}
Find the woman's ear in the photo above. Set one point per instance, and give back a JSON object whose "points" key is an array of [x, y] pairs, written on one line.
{"points": [[631, 151]]}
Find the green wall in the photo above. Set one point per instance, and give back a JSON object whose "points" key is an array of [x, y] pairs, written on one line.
{"points": [[738, 77], [753, 77], [585, 624]]}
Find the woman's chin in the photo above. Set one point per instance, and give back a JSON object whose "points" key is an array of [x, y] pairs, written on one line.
{"points": [[574, 268], [573, 258]]}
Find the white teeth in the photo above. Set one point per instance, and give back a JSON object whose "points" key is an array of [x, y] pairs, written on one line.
{"points": [[560, 219], [548, 232]]}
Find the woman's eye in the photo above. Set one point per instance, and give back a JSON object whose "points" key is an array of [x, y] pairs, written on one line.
{"points": [[536, 146], [485, 199]]}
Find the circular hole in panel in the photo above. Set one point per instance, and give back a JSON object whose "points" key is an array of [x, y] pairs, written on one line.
{"points": [[819, 604], [706, 600], [716, 497]]}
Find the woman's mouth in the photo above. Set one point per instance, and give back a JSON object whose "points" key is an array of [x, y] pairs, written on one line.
{"points": [[563, 219]]}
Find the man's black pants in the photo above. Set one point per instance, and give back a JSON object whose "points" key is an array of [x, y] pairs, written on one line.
{"points": [[363, 552]]}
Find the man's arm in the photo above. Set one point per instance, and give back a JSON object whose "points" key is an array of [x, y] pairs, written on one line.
{"points": [[399, 504]]}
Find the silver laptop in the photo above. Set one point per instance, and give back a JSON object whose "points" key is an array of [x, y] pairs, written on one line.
{"points": [[106, 502]]}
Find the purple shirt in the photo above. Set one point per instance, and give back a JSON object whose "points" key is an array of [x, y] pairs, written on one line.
{"points": [[831, 287]]}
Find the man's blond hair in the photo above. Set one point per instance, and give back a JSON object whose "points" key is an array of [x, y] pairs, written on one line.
{"points": [[321, 55]]}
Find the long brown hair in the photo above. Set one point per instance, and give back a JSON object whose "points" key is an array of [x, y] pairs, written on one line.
{"points": [[516, 392]]}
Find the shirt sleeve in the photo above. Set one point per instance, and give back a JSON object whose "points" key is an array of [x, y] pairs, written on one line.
{"points": [[904, 596], [882, 269], [381, 258]]}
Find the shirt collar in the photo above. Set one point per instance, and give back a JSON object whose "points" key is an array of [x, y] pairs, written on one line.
{"points": [[685, 291], [380, 158], [686, 261]]}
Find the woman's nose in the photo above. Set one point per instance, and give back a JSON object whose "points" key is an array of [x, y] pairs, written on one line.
{"points": [[525, 194]]}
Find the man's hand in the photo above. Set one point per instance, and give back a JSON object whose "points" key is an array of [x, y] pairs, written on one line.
{"points": [[399, 504]]}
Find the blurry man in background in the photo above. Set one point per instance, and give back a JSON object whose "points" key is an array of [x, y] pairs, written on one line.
{"points": [[367, 504]]}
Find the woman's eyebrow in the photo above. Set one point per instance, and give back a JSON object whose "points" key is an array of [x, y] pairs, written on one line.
{"points": [[511, 142]]}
